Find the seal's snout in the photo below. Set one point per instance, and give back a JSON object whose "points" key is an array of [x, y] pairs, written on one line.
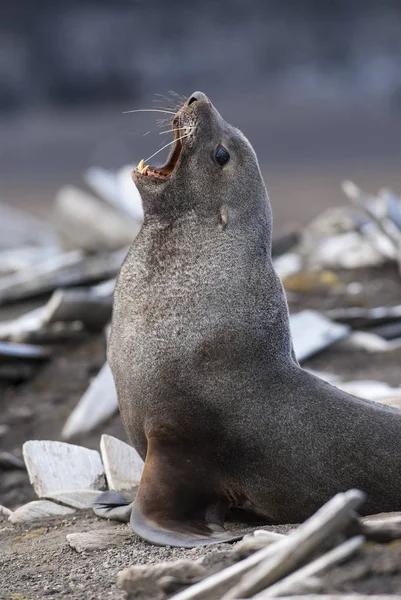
{"points": [[183, 127], [196, 97]]}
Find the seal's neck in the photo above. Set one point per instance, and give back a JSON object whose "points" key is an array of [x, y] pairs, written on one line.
{"points": [[226, 268]]}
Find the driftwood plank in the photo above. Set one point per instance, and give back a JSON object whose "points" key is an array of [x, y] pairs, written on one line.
{"points": [[298, 581], [329, 520]]}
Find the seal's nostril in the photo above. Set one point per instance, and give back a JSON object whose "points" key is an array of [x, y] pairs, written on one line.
{"points": [[196, 96]]}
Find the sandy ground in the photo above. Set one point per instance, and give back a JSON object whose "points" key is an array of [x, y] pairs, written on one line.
{"points": [[37, 563]]}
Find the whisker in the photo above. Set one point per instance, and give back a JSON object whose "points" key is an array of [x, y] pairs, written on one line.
{"points": [[174, 101], [149, 110], [162, 98], [165, 146], [168, 108], [169, 104], [180, 97], [178, 129], [163, 122]]}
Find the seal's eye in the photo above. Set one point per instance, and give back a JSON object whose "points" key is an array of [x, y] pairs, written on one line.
{"points": [[221, 156]]}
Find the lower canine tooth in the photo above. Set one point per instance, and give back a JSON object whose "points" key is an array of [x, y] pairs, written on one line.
{"points": [[141, 166], [145, 170]]}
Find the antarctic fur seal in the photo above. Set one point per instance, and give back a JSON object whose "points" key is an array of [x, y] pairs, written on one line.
{"points": [[209, 390]]}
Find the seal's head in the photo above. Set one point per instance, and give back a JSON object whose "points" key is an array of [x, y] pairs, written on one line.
{"points": [[211, 164]]}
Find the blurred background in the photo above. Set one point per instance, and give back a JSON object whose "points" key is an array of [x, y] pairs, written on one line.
{"points": [[315, 86]]}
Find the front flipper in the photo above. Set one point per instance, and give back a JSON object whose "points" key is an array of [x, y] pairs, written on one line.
{"points": [[177, 534], [112, 505], [179, 500]]}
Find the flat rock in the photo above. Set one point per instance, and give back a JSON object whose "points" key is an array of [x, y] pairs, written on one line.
{"points": [[39, 509], [75, 498], [156, 581], [99, 540], [4, 512], [312, 332], [372, 390], [86, 223], [350, 251], [98, 403], [122, 463], [57, 467]]}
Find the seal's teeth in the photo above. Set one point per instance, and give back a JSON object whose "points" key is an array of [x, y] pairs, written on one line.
{"points": [[145, 170], [141, 165]]}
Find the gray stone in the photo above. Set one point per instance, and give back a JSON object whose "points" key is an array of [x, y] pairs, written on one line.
{"points": [[39, 509], [99, 540]]}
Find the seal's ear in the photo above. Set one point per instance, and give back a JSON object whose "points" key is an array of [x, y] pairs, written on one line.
{"points": [[177, 504]]}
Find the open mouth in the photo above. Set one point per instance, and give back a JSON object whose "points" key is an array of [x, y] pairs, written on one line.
{"points": [[179, 132]]}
